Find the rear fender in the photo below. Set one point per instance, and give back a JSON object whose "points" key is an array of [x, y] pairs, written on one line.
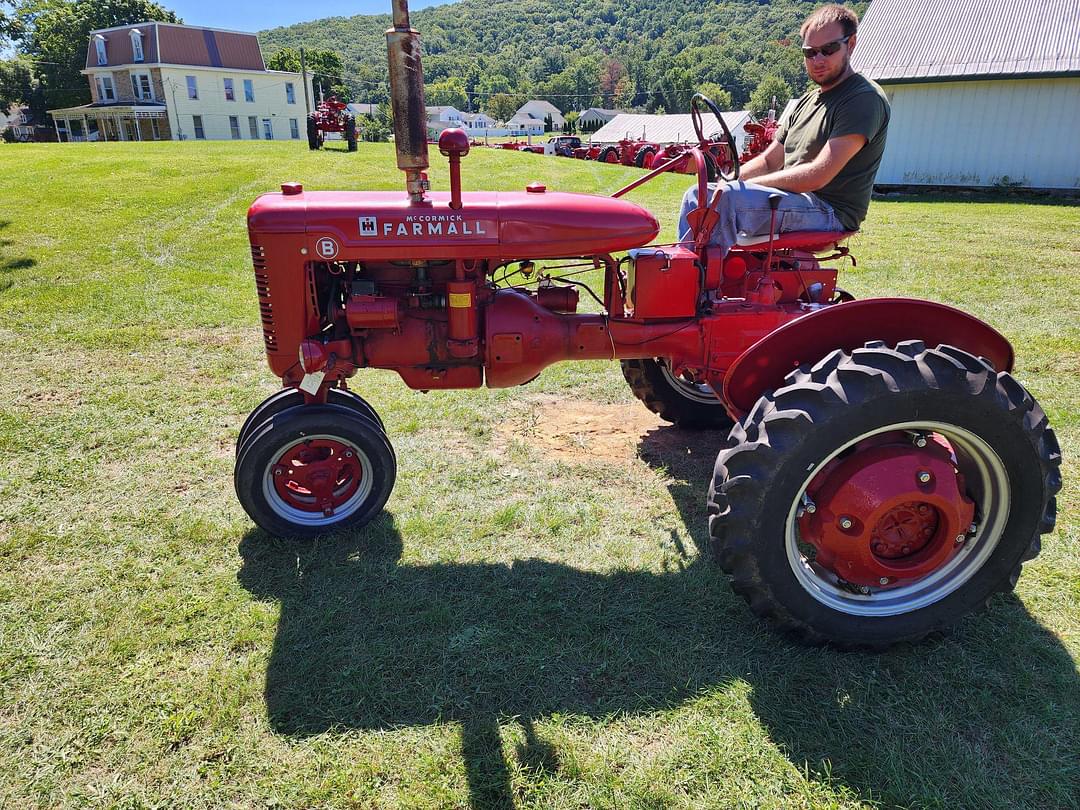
{"points": [[848, 326]]}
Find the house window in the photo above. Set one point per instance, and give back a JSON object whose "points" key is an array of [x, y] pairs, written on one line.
{"points": [[136, 45], [268, 129], [249, 90], [290, 93], [196, 122], [155, 129], [234, 127], [294, 129], [99, 43], [141, 86], [230, 94], [253, 127], [105, 89], [192, 87]]}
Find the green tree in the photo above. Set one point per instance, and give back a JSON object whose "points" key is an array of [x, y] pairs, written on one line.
{"points": [[717, 94], [761, 100], [571, 121], [325, 71], [449, 93], [502, 106], [56, 34]]}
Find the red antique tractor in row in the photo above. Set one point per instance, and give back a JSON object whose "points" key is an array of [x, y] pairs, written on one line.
{"points": [[884, 473], [331, 115]]}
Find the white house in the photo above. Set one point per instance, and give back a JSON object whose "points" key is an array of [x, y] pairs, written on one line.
{"points": [[595, 117], [478, 120], [162, 81], [981, 93], [537, 110], [525, 125], [674, 128]]}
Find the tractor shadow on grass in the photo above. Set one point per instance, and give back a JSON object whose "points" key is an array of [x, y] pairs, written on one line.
{"points": [[367, 642]]}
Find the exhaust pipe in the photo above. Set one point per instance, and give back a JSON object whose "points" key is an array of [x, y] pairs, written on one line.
{"points": [[407, 101]]}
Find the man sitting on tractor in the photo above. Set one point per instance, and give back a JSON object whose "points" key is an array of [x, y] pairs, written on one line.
{"points": [[824, 156]]}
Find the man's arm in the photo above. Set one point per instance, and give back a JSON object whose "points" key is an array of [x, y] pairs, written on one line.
{"points": [[816, 174], [771, 160]]}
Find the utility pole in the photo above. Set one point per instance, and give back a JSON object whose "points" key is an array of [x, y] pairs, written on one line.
{"points": [[303, 72]]}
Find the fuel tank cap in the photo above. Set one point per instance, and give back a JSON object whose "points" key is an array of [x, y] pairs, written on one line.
{"points": [[536, 188]]}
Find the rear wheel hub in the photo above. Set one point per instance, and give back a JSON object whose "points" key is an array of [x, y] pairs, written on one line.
{"points": [[887, 513]]}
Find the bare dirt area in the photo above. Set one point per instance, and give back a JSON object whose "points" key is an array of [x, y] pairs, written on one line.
{"points": [[577, 431]]}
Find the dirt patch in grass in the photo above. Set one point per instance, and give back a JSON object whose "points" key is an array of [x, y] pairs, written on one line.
{"points": [[575, 430]]}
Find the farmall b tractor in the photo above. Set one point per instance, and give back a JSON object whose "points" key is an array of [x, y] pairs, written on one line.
{"points": [[884, 473], [331, 115]]}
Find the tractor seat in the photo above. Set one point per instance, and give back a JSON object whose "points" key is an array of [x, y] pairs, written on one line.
{"points": [[799, 240]]}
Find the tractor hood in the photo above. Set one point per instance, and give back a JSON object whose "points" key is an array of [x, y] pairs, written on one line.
{"points": [[501, 226]]}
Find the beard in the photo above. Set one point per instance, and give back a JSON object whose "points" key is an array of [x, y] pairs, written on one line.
{"points": [[830, 77]]}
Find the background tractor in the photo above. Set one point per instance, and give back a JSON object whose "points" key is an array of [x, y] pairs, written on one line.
{"points": [[884, 474], [331, 115]]}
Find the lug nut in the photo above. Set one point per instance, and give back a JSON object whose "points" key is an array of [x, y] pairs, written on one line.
{"points": [[864, 590], [845, 522], [924, 477], [348, 454], [920, 441], [811, 507], [883, 581], [960, 538], [973, 528]]}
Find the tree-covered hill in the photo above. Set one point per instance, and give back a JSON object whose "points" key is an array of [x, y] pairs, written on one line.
{"points": [[650, 54]]}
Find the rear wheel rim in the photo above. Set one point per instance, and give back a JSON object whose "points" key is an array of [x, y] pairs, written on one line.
{"points": [[702, 393], [987, 481], [318, 480]]}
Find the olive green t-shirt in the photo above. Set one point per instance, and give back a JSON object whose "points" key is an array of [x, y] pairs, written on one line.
{"points": [[856, 106]]}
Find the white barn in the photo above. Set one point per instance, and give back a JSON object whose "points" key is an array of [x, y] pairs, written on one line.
{"points": [[673, 128], [982, 93]]}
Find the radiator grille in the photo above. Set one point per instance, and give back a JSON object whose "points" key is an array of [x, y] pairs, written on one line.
{"points": [[262, 287]]}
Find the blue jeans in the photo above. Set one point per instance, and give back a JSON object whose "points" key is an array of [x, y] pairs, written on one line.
{"points": [[744, 208]]}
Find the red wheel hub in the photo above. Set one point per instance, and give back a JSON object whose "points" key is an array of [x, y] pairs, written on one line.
{"points": [[318, 475], [888, 513]]}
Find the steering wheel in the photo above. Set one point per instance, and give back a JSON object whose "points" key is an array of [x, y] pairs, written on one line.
{"points": [[727, 140]]}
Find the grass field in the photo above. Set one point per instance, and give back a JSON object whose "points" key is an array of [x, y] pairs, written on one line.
{"points": [[530, 623]]}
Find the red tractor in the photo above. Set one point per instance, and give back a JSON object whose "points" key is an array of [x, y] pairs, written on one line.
{"points": [[331, 116], [884, 472]]}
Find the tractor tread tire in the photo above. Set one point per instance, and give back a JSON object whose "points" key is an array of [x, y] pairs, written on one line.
{"points": [[750, 477], [607, 151], [642, 157], [649, 383]]}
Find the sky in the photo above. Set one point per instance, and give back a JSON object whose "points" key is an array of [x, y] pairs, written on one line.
{"points": [[256, 15]]}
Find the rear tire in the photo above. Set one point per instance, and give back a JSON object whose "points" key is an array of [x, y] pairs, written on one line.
{"points": [[609, 154], [846, 409], [315, 469], [643, 159], [676, 399], [350, 133]]}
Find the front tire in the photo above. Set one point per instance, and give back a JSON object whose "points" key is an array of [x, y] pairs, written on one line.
{"points": [[675, 397], [842, 505], [609, 154], [315, 469], [287, 398]]}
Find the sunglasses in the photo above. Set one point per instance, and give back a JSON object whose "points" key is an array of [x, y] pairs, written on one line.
{"points": [[828, 49]]}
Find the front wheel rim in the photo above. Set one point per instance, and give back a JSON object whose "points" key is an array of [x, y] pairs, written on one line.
{"points": [[327, 487], [986, 479]]}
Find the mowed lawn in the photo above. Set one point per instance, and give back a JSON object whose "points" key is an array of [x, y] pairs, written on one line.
{"points": [[530, 623]]}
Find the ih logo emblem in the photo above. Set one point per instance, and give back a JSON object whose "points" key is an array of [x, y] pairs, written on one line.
{"points": [[369, 226], [326, 247]]}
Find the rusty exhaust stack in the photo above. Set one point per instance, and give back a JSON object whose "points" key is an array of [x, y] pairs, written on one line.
{"points": [[407, 101]]}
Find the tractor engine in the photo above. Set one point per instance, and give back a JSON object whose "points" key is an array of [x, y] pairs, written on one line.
{"points": [[377, 282]]}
